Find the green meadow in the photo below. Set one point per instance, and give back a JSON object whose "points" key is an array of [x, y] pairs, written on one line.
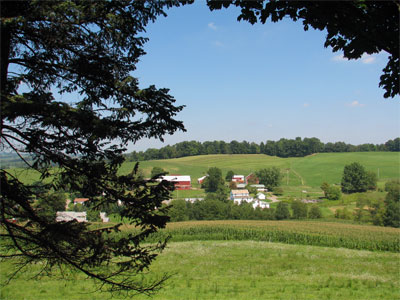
{"points": [[309, 171], [306, 172], [216, 263]]}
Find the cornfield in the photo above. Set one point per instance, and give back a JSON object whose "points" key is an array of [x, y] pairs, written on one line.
{"points": [[361, 237]]}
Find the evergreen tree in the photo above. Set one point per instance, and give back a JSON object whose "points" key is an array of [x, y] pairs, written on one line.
{"points": [[86, 51]]}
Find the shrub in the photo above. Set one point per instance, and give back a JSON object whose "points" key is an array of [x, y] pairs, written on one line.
{"points": [[315, 212], [282, 211], [333, 193], [299, 210]]}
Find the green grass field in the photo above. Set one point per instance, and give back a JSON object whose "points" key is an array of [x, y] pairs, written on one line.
{"points": [[309, 171], [249, 268], [305, 172]]}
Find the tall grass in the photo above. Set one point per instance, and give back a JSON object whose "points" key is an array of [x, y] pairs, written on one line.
{"points": [[241, 270]]}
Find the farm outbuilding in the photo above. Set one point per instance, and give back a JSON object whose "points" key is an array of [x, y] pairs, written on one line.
{"points": [[80, 200], [201, 179], [238, 178], [251, 178], [181, 182], [66, 216]]}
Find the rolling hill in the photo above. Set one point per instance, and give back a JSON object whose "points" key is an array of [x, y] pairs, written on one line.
{"points": [[308, 171]]}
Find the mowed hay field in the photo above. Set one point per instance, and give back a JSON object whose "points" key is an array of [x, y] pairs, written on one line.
{"points": [[304, 171], [248, 268], [309, 171]]}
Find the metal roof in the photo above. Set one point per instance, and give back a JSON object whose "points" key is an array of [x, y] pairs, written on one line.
{"points": [[176, 178]]}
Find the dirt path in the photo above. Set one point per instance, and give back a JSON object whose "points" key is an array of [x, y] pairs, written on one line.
{"points": [[298, 175], [273, 198]]}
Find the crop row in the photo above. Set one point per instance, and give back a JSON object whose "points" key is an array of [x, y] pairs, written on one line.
{"points": [[304, 233]]}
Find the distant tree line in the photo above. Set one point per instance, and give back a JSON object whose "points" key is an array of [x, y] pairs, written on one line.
{"points": [[297, 147]]}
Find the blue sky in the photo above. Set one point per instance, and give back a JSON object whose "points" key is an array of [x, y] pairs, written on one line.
{"points": [[262, 82]]}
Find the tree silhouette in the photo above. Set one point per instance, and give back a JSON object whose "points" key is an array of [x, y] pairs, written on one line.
{"points": [[68, 100]]}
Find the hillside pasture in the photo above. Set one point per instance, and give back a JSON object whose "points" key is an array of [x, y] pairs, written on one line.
{"points": [[304, 172], [309, 171]]}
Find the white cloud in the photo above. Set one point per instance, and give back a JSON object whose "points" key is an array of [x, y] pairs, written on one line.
{"points": [[212, 26], [218, 44], [355, 103], [367, 59], [306, 104], [339, 57]]}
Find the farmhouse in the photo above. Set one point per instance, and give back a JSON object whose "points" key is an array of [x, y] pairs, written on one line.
{"points": [[260, 204], [180, 182], [80, 200], [66, 216], [238, 178], [238, 196], [260, 196]]}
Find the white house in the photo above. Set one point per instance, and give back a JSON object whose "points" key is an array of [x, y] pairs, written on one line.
{"points": [[238, 196], [260, 196], [66, 216], [104, 217], [260, 204]]}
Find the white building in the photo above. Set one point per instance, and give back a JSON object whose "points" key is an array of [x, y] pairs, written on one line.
{"points": [[259, 187], [104, 217], [240, 185], [193, 200], [260, 204], [260, 196], [238, 196], [66, 216], [238, 178]]}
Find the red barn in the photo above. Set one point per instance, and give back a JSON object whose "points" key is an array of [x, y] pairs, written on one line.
{"points": [[180, 182], [252, 179]]}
